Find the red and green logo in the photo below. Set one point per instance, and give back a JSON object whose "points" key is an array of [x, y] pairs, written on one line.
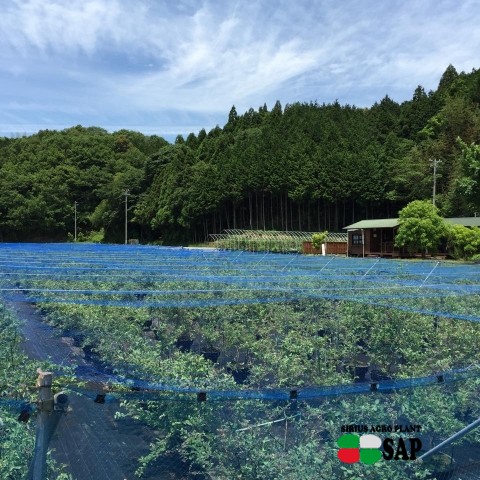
{"points": [[364, 448]]}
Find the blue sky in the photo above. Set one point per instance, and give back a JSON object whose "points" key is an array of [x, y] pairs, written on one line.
{"points": [[172, 67]]}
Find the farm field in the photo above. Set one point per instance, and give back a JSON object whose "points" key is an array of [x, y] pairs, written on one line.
{"points": [[247, 365]]}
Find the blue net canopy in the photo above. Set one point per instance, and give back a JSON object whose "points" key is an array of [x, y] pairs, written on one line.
{"points": [[156, 277], [175, 293], [232, 350]]}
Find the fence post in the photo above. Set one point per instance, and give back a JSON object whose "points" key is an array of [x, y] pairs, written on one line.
{"points": [[50, 408], [38, 468]]}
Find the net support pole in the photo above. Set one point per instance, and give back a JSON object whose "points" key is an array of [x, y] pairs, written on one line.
{"points": [[451, 439], [428, 276], [50, 408], [38, 469]]}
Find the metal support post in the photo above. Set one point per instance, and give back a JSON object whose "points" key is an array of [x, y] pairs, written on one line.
{"points": [[451, 439], [50, 408], [38, 469]]}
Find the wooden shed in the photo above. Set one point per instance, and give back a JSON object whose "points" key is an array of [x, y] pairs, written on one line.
{"points": [[377, 237], [373, 237]]}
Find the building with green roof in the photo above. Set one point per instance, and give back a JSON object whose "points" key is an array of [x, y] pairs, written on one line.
{"points": [[377, 237]]}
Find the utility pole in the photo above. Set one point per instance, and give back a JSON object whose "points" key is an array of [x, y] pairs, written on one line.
{"points": [[434, 162], [126, 193], [75, 204]]}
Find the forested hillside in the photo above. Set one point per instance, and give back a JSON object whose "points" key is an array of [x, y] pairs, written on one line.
{"points": [[298, 167]]}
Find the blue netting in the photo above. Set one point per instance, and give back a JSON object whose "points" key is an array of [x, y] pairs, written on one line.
{"points": [[149, 390], [228, 278], [86, 289], [192, 278]]}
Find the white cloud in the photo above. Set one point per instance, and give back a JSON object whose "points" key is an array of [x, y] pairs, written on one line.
{"points": [[117, 61], [56, 26], [219, 60]]}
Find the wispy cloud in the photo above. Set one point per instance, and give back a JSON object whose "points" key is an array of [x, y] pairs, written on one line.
{"points": [[56, 27], [183, 64]]}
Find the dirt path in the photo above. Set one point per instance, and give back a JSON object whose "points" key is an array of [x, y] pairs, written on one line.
{"points": [[89, 441]]}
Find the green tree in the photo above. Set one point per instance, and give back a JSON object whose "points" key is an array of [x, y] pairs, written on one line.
{"points": [[448, 78], [464, 242], [468, 184], [233, 120], [421, 227], [318, 239]]}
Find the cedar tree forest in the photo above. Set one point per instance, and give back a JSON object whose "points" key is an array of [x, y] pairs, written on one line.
{"points": [[301, 166]]}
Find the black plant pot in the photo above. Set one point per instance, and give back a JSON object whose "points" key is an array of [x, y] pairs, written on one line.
{"points": [[240, 375], [184, 345], [88, 349], [211, 355], [147, 325], [360, 372]]}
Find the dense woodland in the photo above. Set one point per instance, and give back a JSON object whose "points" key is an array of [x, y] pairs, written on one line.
{"points": [[304, 166]]}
